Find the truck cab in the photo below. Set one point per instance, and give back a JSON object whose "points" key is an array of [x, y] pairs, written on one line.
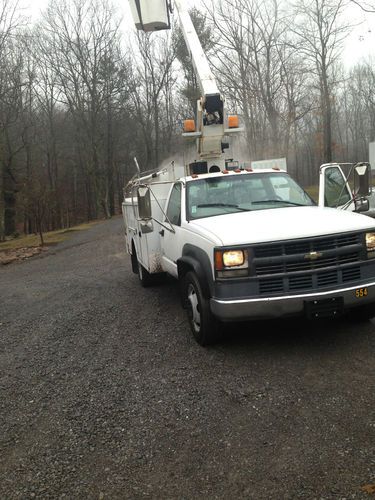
{"points": [[252, 244]]}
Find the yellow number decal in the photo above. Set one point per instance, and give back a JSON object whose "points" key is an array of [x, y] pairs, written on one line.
{"points": [[361, 292]]}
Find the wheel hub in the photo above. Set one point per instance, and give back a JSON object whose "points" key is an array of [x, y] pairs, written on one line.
{"points": [[194, 307]]}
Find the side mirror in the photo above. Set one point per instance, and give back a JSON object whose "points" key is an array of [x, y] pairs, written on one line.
{"points": [[362, 180], [146, 227], [144, 203], [362, 205]]}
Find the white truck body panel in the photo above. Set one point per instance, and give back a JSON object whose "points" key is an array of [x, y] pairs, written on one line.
{"points": [[278, 224], [147, 246]]}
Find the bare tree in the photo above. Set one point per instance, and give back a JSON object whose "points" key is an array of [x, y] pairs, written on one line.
{"points": [[153, 67], [80, 37], [260, 73], [10, 21], [365, 6], [321, 31]]}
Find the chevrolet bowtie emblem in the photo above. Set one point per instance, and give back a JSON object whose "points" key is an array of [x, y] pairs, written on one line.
{"points": [[313, 255]]}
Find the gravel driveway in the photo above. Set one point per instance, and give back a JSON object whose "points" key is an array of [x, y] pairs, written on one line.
{"points": [[105, 395]]}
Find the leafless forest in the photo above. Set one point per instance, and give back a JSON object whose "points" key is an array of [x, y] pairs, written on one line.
{"points": [[79, 98]]}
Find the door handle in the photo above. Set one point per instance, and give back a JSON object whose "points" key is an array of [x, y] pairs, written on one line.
{"points": [[161, 232]]}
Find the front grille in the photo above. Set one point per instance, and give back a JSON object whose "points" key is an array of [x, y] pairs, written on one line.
{"points": [[328, 278], [351, 274], [309, 282], [309, 264], [270, 286], [307, 245], [303, 265], [301, 282]]}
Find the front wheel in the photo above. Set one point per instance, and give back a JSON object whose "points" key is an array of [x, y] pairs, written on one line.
{"points": [[203, 324]]}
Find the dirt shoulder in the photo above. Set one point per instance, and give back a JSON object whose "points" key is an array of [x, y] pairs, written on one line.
{"points": [[25, 247], [18, 254]]}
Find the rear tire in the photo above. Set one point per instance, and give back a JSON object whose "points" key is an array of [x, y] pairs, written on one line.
{"points": [[204, 325]]}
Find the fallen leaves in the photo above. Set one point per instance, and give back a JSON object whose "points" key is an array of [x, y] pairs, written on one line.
{"points": [[19, 254], [369, 488]]}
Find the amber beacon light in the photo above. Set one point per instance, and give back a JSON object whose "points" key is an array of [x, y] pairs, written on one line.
{"points": [[189, 126], [233, 121]]}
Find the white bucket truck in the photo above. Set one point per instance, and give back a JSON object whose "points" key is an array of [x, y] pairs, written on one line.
{"points": [[248, 244]]}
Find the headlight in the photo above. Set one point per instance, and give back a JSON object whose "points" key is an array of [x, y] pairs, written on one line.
{"points": [[370, 242], [233, 258], [231, 263]]}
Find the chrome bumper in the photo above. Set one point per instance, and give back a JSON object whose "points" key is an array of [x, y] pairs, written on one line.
{"points": [[290, 305]]}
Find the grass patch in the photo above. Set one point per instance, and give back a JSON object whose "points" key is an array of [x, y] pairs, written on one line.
{"points": [[50, 238]]}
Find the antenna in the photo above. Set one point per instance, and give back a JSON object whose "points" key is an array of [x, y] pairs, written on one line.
{"points": [[137, 165]]}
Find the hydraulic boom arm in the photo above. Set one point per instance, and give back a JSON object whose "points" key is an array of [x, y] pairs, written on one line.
{"points": [[209, 129]]}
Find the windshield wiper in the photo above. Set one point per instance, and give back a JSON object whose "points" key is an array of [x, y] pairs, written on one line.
{"points": [[229, 205], [279, 201]]}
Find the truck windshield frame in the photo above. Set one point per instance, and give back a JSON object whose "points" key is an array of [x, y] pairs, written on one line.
{"points": [[234, 193]]}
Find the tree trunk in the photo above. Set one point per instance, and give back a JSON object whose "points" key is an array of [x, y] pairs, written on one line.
{"points": [[2, 202], [327, 120]]}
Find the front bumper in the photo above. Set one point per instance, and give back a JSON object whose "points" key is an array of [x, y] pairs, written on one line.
{"points": [[291, 305]]}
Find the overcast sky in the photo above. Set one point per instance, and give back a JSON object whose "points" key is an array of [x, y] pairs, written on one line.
{"points": [[360, 44]]}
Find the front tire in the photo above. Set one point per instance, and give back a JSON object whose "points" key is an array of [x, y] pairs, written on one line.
{"points": [[203, 324]]}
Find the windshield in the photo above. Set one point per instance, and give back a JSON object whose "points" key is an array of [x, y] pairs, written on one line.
{"points": [[241, 193]]}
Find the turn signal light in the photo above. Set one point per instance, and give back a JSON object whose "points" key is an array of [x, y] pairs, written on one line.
{"points": [[219, 265]]}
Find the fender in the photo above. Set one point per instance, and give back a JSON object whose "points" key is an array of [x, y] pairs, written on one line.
{"points": [[195, 258]]}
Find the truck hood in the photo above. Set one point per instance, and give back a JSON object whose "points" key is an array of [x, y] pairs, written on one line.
{"points": [[279, 224]]}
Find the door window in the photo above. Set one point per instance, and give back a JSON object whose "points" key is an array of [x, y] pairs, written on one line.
{"points": [[174, 205], [336, 192]]}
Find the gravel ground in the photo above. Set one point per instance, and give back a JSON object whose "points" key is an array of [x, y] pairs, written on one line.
{"points": [[104, 394]]}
